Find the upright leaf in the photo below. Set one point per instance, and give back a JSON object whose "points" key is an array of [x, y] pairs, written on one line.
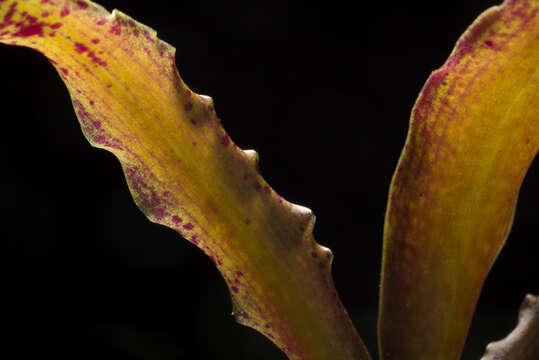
{"points": [[473, 133], [185, 172]]}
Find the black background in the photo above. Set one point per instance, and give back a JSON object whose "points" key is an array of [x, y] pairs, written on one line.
{"points": [[322, 92]]}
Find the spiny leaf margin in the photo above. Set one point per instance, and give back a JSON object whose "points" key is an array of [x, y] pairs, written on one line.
{"points": [[184, 171]]}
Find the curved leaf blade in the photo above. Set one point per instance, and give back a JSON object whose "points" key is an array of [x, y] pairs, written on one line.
{"points": [[473, 134], [184, 171]]}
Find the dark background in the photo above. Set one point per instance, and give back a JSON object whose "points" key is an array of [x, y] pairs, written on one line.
{"points": [[323, 93]]}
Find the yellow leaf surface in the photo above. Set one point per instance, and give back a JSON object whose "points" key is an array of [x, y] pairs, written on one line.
{"points": [[473, 134], [185, 172]]}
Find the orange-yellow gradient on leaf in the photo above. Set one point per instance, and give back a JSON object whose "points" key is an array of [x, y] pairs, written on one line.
{"points": [[474, 132], [185, 172]]}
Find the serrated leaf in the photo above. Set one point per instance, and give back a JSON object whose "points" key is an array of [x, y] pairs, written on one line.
{"points": [[185, 172], [473, 134]]}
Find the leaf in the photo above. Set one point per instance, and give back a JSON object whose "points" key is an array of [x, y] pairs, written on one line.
{"points": [[185, 172], [473, 134], [523, 342]]}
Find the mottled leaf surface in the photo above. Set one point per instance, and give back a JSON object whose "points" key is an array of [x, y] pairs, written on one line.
{"points": [[473, 134], [185, 172]]}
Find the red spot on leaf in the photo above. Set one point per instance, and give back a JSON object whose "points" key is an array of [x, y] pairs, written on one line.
{"points": [[45, 14], [102, 22], [176, 219], [235, 289], [225, 140], [147, 197], [267, 189], [116, 28], [96, 60], [188, 226], [80, 48], [9, 15], [30, 30], [56, 25], [160, 214], [188, 106], [147, 36], [64, 70], [489, 43], [95, 41], [64, 12], [82, 5]]}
